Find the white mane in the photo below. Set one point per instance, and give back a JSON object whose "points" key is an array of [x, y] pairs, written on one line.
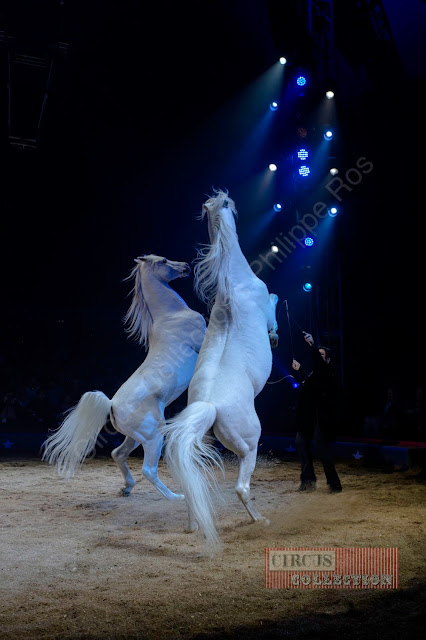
{"points": [[138, 319], [212, 262]]}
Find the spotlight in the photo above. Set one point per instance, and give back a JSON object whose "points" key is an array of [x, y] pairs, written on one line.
{"points": [[307, 286], [283, 60], [309, 242], [302, 154], [334, 171], [277, 207], [295, 385], [274, 248], [273, 167], [304, 171], [273, 106], [329, 94], [332, 212], [301, 81], [328, 135]]}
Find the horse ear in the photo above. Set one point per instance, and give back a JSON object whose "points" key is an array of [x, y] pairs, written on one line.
{"points": [[140, 259]]}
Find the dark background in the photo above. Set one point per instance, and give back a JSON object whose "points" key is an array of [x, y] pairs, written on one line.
{"points": [[145, 115]]}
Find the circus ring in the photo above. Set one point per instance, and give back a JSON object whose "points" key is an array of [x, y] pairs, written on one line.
{"points": [[80, 561]]}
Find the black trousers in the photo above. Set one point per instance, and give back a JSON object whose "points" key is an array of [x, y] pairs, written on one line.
{"points": [[323, 451]]}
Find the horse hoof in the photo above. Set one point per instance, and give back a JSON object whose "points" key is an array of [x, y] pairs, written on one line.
{"points": [[125, 491], [192, 529], [178, 497]]}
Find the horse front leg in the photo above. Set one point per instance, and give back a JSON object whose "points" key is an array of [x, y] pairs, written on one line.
{"points": [[272, 321], [152, 452], [120, 455]]}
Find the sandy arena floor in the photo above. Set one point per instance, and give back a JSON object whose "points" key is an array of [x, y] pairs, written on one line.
{"points": [[80, 561]]}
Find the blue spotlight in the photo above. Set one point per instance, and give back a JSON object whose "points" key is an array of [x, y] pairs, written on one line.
{"points": [[307, 286], [309, 242], [283, 60], [328, 135], [295, 385], [302, 154], [273, 106], [304, 171], [277, 206], [332, 212], [301, 81]]}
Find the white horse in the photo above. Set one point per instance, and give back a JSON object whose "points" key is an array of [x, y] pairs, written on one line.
{"points": [[173, 334], [233, 366]]}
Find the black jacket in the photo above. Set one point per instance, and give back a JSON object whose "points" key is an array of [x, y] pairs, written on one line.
{"points": [[318, 398]]}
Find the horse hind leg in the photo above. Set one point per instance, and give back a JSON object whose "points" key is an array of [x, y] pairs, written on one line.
{"points": [[247, 464], [152, 452], [120, 455]]}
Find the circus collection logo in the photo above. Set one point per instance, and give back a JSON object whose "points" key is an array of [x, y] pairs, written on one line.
{"points": [[332, 568]]}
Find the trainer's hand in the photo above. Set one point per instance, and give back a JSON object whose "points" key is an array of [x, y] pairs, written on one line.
{"points": [[308, 338], [295, 365]]}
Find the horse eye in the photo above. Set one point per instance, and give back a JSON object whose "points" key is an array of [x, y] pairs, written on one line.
{"points": [[164, 260]]}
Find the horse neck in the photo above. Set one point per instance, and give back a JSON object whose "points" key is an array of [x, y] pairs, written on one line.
{"points": [[239, 269], [160, 297]]}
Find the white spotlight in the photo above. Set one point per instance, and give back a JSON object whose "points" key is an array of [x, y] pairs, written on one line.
{"points": [[273, 167], [283, 60], [329, 94], [334, 171], [328, 135], [332, 212], [274, 248]]}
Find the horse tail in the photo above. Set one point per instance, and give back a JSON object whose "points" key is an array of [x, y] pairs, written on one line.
{"points": [[192, 460], [76, 437]]}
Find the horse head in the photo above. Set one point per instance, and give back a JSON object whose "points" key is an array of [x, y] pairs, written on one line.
{"points": [[220, 209], [164, 269]]}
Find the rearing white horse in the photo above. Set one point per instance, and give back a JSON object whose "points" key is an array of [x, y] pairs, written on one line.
{"points": [[173, 334], [233, 366]]}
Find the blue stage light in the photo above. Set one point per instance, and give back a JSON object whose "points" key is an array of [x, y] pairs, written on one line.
{"points": [[277, 207], [309, 242], [301, 81], [283, 60], [302, 154], [273, 167], [332, 212], [295, 385], [307, 286], [328, 135], [304, 171], [273, 106]]}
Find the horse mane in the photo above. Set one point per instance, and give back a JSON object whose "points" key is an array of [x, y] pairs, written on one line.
{"points": [[138, 319], [212, 261]]}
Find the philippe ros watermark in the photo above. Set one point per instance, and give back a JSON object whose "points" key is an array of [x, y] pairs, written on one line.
{"points": [[287, 242], [331, 568]]}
